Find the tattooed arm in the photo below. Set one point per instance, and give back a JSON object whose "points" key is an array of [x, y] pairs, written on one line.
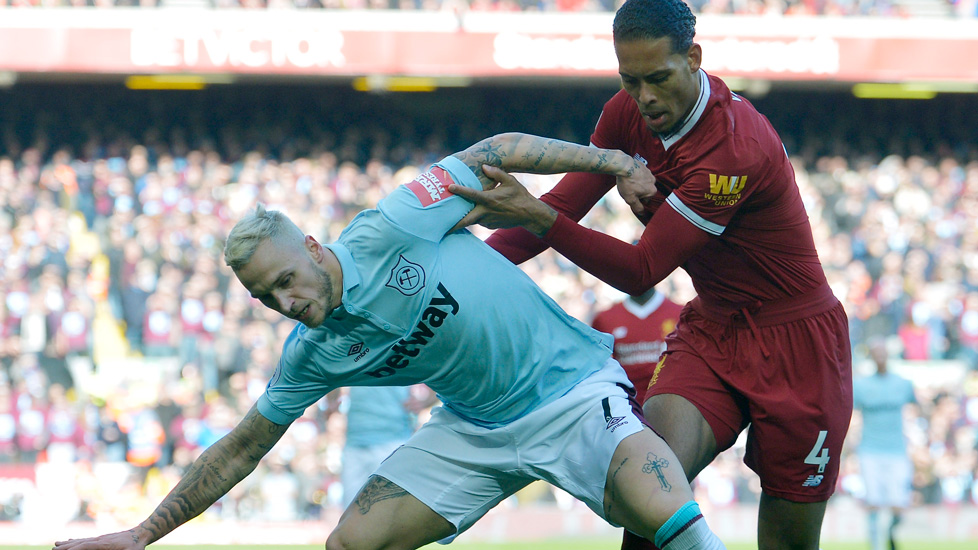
{"points": [[211, 476], [510, 205]]}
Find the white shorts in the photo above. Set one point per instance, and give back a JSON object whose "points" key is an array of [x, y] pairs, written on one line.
{"points": [[888, 479], [461, 470], [358, 463]]}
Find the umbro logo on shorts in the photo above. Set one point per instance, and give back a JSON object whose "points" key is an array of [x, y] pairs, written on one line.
{"points": [[613, 421]]}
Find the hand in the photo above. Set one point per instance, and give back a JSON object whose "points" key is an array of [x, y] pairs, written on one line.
{"points": [[637, 188], [123, 540], [508, 204]]}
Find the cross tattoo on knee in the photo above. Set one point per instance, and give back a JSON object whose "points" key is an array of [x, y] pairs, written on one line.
{"points": [[655, 465]]}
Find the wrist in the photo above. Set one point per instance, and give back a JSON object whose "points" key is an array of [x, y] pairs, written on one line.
{"points": [[143, 535], [541, 224], [626, 165]]}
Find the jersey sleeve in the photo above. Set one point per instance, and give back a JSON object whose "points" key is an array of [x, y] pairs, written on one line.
{"points": [[721, 182], [295, 385], [573, 196], [667, 242], [425, 207]]}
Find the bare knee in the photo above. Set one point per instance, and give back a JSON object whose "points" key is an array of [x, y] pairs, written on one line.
{"points": [[337, 541]]}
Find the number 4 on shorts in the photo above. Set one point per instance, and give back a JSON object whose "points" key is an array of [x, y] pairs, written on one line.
{"points": [[819, 456]]}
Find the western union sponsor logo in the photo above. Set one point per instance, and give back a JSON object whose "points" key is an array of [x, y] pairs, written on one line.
{"points": [[726, 185]]}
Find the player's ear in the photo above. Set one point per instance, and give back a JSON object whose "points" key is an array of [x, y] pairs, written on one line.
{"points": [[313, 247], [694, 57]]}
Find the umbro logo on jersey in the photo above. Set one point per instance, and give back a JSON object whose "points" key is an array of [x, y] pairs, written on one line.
{"points": [[358, 349], [614, 422], [813, 481]]}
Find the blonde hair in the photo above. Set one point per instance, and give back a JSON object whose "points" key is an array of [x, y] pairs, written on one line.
{"points": [[253, 229]]}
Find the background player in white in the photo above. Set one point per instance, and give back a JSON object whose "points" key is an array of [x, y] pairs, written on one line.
{"points": [[528, 391], [886, 468]]}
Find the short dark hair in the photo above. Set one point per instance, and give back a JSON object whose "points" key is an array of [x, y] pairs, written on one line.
{"points": [[653, 19]]}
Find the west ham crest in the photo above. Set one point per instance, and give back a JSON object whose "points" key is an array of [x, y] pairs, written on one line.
{"points": [[407, 277]]}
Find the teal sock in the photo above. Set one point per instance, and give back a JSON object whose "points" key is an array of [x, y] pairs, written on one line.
{"points": [[687, 530]]}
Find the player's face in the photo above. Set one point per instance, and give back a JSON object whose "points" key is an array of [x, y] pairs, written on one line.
{"points": [[664, 84], [294, 280]]}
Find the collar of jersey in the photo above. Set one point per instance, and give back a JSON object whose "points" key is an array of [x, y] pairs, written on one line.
{"points": [[694, 114], [644, 310], [351, 277]]}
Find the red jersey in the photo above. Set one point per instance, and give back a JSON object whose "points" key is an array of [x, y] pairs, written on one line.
{"points": [[724, 172], [640, 331]]}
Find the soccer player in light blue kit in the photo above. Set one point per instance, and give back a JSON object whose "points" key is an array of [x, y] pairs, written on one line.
{"points": [[883, 459], [401, 298]]}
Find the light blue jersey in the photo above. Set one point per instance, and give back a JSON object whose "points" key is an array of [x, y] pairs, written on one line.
{"points": [[420, 306], [881, 398]]}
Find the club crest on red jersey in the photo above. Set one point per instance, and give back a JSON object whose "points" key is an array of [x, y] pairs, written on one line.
{"points": [[431, 186]]}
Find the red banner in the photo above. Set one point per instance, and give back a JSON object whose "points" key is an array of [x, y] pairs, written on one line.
{"points": [[352, 44]]}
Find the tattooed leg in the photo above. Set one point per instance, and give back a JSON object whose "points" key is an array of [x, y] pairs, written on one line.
{"points": [[376, 490]]}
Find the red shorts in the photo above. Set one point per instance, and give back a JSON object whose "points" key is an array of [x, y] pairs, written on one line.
{"points": [[785, 370]]}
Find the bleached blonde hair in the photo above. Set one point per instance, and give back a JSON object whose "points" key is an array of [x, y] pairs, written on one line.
{"points": [[253, 229]]}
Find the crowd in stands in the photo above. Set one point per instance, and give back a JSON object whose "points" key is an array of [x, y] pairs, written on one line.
{"points": [[872, 8], [127, 346]]}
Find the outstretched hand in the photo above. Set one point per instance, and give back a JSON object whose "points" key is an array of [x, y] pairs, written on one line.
{"points": [[507, 204], [123, 540]]}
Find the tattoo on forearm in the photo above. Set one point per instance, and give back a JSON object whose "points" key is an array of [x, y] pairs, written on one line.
{"points": [[376, 490], [493, 154], [212, 475], [602, 161], [656, 465]]}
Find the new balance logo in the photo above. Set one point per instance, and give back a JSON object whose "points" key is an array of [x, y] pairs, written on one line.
{"points": [[812, 481]]}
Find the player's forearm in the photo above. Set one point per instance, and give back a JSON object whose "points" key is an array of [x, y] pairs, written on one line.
{"points": [[538, 155], [211, 476]]}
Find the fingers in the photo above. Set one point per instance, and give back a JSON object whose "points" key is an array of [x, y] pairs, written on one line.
{"points": [[469, 219], [496, 173], [467, 193]]}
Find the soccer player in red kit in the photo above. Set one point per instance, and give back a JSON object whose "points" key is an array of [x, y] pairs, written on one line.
{"points": [[640, 324], [764, 346]]}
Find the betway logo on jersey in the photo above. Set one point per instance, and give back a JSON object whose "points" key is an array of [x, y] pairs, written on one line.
{"points": [[439, 308], [431, 187], [725, 190]]}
